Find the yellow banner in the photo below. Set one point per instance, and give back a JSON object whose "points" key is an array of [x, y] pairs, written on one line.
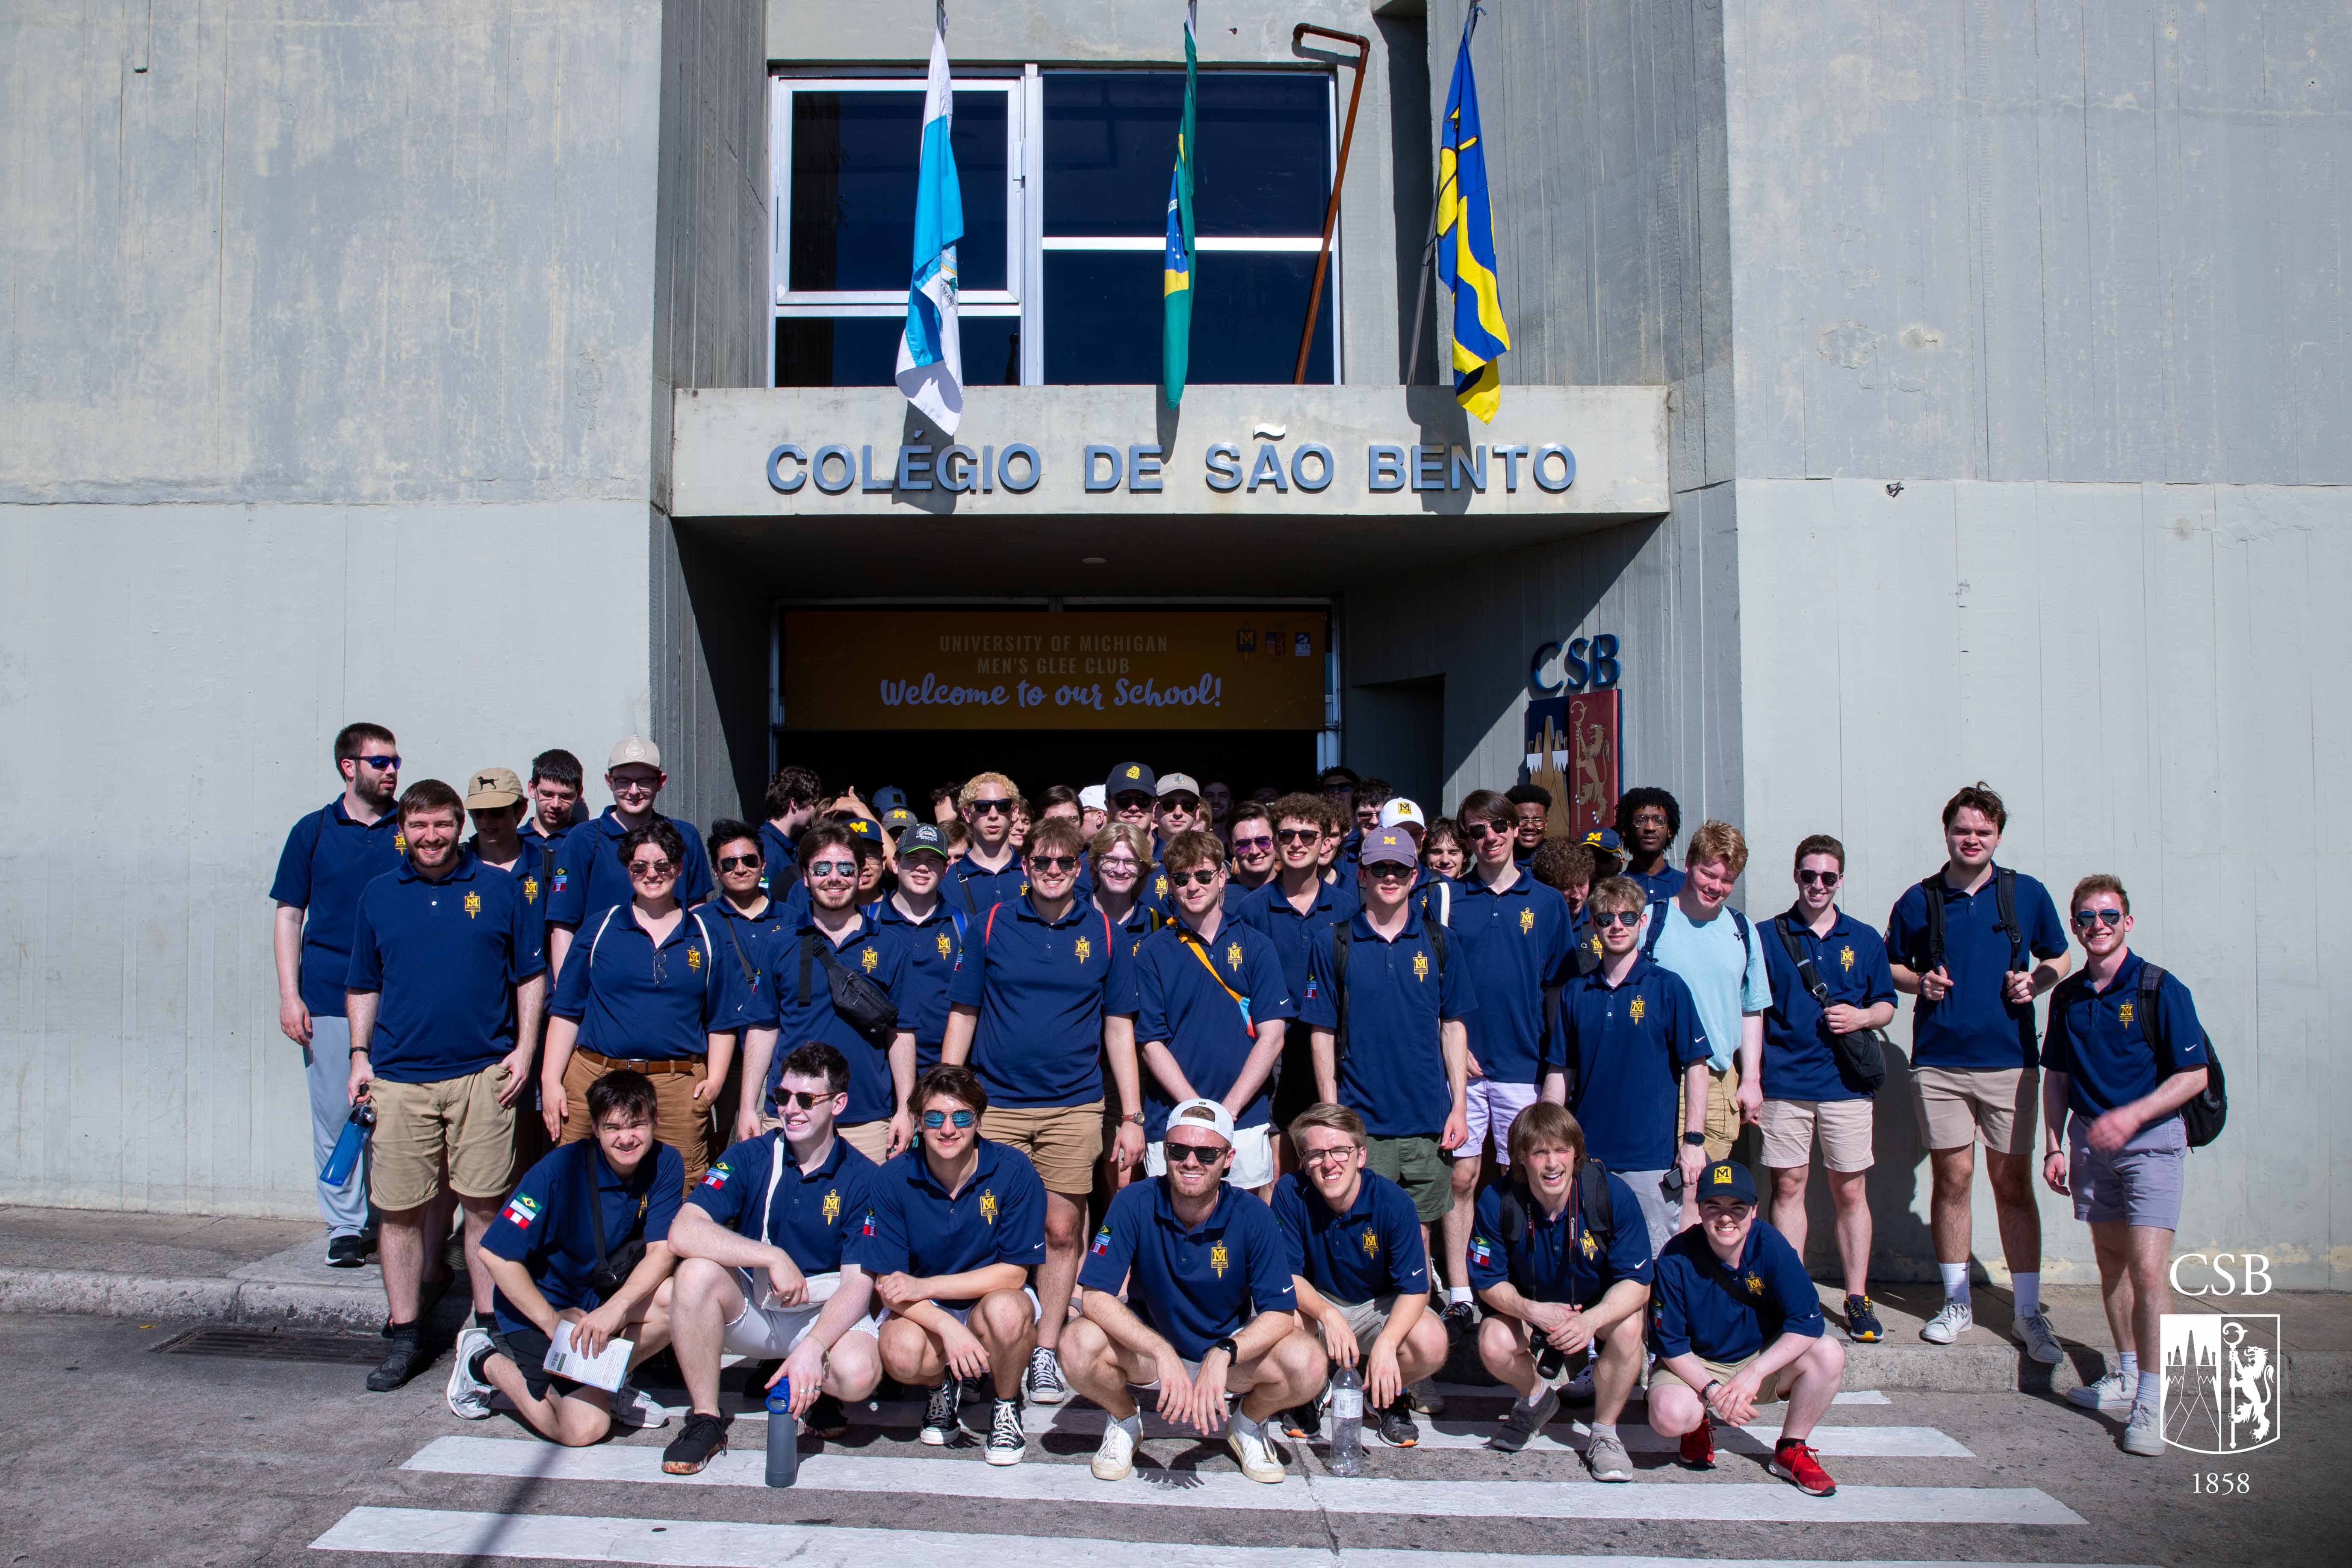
{"points": [[996, 669]]}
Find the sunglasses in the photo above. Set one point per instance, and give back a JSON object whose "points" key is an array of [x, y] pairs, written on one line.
{"points": [[382, 764], [1477, 831], [1192, 1153], [1250, 846], [1298, 835], [1132, 802], [651, 871], [800, 1098], [1617, 917], [1179, 803], [1821, 878], [938, 1118], [1188, 879], [833, 868], [2104, 917], [988, 807], [739, 862], [1388, 871], [1052, 862]]}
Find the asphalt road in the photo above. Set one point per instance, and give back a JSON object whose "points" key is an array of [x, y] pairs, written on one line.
{"points": [[117, 1455]]}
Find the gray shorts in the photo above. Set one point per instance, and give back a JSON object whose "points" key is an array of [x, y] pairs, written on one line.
{"points": [[2139, 1183], [1662, 1215]]}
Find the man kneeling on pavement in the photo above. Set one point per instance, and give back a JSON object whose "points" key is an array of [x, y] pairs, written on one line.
{"points": [[1208, 1306], [768, 1248], [1734, 1312]]}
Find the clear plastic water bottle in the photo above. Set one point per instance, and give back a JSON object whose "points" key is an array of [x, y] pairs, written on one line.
{"points": [[346, 1154], [784, 1436], [1348, 1423]]}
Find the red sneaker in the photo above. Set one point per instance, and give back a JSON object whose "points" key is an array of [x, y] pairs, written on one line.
{"points": [[1794, 1461], [1698, 1444]]}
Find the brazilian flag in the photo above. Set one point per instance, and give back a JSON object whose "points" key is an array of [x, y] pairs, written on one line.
{"points": [[1465, 245], [1176, 277]]}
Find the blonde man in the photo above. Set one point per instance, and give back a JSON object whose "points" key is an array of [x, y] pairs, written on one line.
{"points": [[989, 873], [1720, 956]]}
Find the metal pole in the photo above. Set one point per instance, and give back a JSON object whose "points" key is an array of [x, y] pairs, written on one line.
{"points": [[1331, 211]]}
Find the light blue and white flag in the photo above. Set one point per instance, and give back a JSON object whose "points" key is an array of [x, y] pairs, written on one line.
{"points": [[931, 352]]}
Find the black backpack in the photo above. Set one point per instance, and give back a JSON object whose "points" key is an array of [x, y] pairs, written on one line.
{"points": [[2202, 1117], [1930, 953], [1343, 937], [1593, 1201]]}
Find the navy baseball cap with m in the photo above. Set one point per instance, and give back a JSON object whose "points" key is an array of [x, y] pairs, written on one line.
{"points": [[1726, 1179], [1128, 778]]}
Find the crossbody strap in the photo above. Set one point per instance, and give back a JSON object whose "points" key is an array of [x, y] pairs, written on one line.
{"points": [[776, 1157], [1200, 949]]}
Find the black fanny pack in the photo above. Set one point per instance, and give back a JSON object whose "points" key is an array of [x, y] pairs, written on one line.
{"points": [[866, 1006], [1860, 1054], [613, 1267]]}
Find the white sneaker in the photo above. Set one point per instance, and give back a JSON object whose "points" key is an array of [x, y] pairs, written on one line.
{"points": [[2041, 1340], [1045, 1378], [2110, 1392], [1115, 1458], [2144, 1433], [469, 1396], [1247, 1440], [1949, 1324], [633, 1406]]}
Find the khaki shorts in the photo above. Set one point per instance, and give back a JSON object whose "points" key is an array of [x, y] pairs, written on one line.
{"points": [[679, 1121], [1366, 1318], [1062, 1141], [1765, 1393], [1960, 1105], [420, 1125], [1842, 1126]]}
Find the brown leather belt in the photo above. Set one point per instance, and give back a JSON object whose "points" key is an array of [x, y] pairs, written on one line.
{"points": [[638, 1064]]}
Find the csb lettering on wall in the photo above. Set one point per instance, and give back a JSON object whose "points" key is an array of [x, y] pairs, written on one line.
{"points": [[994, 669]]}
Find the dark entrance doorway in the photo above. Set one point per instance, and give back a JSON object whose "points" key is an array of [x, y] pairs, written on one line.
{"points": [[916, 760]]}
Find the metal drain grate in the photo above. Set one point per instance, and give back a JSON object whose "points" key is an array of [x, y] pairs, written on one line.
{"points": [[275, 1344]]}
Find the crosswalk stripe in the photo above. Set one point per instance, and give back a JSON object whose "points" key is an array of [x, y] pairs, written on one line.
{"points": [[1495, 1391], [1745, 1502], [722, 1544]]}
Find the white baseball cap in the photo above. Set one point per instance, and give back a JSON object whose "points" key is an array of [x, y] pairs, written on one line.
{"points": [[1091, 798], [1209, 1113], [1400, 810], [634, 749]]}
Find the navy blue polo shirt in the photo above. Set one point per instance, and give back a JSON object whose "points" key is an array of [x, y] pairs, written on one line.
{"points": [[530, 877], [915, 1227], [780, 866], [1798, 1062], [1511, 945], [1393, 1075], [1625, 1048], [1142, 920], [876, 951], [933, 949], [1293, 933], [1198, 1284], [328, 860], [1190, 1011], [1371, 1250], [1584, 933], [1659, 886], [658, 1002], [1229, 906], [535, 839], [1560, 1259], [818, 1216], [2100, 1042], [1043, 988], [1974, 1026], [757, 937], [544, 1226], [1724, 1313], [445, 957], [590, 879], [975, 889]]}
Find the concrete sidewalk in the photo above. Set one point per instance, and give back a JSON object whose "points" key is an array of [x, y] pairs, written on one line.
{"points": [[167, 1267]]}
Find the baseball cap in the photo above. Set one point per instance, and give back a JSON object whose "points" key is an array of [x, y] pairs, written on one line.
{"points": [[1177, 784], [896, 817], [923, 836], [1726, 1179], [887, 799], [1091, 798], [1400, 811], [1393, 844], [1130, 777], [492, 788], [634, 749], [858, 828], [1209, 1113], [1604, 840]]}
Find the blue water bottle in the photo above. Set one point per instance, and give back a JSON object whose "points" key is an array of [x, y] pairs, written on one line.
{"points": [[345, 1158], [784, 1436]]}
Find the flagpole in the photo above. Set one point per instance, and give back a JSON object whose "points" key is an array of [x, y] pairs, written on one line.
{"points": [[1331, 210], [1429, 248]]}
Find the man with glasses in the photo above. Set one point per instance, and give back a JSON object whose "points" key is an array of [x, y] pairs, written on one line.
{"points": [[1212, 1011], [1974, 1065], [959, 1222], [1130, 793], [768, 1247], [1045, 995], [2123, 1053], [750, 926], [1175, 808], [1249, 835], [792, 802], [809, 982], [1628, 1053], [1530, 815], [330, 855], [1809, 1094], [1649, 820], [1720, 956], [1294, 910], [990, 872], [1208, 1309], [931, 934], [590, 876], [1385, 1009]]}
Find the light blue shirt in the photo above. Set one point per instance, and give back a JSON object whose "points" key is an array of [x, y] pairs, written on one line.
{"points": [[1725, 981]]}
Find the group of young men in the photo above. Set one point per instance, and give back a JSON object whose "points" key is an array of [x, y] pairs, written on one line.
{"points": [[1145, 1085]]}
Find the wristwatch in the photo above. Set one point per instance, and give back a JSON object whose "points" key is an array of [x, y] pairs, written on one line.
{"points": [[1134, 1116], [1233, 1352], [1695, 1140]]}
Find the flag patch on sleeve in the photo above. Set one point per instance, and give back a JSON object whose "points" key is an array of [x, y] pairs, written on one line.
{"points": [[519, 1212]]}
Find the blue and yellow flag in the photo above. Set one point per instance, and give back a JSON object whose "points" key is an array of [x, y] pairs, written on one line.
{"points": [[1465, 245], [1176, 274]]}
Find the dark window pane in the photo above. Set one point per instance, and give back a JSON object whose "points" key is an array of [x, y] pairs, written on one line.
{"points": [[1103, 309], [1263, 166], [863, 351], [855, 156]]}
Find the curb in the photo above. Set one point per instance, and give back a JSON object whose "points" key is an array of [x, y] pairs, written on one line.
{"points": [[89, 1293]]}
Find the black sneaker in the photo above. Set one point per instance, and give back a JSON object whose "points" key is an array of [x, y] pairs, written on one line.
{"points": [[1396, 1427], [1862, 1324], [403, 1358], [347, 1251], [1303, 1422], [940, 1415], [826, 1419], [1424, 1396], [703, 1439], [1459, 1317]]}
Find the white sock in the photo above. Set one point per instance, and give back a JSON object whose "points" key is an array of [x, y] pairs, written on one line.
{"points": [[1134, 1425], [1456, 1293], [1243, 1424], [2027, 1288], [2151, 1388], [1956, 1281], [2128, 1369], [1603, 1429]]}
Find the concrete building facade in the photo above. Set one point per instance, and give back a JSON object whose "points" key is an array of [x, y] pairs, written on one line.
{"points": [[1952, 396]]}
